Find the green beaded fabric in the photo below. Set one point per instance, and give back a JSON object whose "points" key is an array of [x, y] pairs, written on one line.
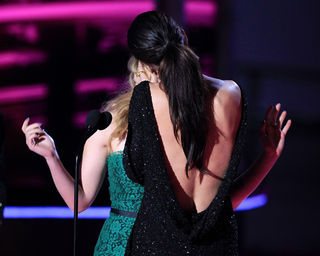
{"points": [[125, 195]]}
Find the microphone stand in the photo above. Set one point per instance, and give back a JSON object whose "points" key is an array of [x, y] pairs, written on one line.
{"points": [[77, 173], [95, 121], [75, 209]]}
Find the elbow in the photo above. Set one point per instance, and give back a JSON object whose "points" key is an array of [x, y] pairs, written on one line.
{"points": [[235, 200], [81, 207], [235, 204]]}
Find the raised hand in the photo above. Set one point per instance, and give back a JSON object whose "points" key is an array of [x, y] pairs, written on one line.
{"points": [[274, 130], [38, 140]]}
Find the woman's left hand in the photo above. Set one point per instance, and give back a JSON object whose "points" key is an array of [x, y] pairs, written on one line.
{"points": [[274, 130]]}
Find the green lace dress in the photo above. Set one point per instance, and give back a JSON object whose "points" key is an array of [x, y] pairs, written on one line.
{"points": [[125, 196]]}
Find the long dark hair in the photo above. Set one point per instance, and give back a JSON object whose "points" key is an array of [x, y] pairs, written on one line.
{"points": [[154, 38]]}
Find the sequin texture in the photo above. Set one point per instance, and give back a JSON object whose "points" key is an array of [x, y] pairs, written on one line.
{"points": [[162, 227]]}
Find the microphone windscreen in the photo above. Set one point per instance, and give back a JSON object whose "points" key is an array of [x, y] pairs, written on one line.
{"points": [[105, 120]]}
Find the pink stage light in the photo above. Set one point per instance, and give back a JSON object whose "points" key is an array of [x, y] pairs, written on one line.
{"points": [[202, 12], [97, 85], [15, 94], [25, 32], [10, 59], [76, 10]]}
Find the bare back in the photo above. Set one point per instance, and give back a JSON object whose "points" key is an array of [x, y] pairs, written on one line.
{"points": [[196, 192]]}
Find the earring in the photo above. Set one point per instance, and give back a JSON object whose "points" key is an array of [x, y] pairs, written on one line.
{"points": [[138, 73]]}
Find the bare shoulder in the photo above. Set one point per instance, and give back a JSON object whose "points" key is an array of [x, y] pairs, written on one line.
{"points": [[226, 104], [227, 91]]}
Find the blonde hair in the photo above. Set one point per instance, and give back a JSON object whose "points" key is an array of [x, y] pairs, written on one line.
{"points": [[119, 106]]}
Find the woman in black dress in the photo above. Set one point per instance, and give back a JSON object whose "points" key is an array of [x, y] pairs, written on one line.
{"points": [[185, 137]]}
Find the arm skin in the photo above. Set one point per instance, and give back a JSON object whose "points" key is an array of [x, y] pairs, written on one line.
{"points": [[273, 140], [227, 109], [93, 163]]}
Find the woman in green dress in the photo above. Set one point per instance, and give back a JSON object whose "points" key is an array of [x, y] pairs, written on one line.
{"points": [[103, 148]]}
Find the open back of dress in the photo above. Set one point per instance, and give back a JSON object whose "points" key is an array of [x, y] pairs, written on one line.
{"points": [[194, 191], [162, 227]]}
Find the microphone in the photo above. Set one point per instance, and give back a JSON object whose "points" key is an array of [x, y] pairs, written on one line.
{"points": [[96, 120]]}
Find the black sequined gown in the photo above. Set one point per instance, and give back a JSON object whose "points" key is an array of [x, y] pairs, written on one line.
{"points": [[162, 227]]}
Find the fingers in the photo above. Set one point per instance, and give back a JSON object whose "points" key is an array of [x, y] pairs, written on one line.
{"points": [[26, 127], [33, 140], [35, 126], [36, 133], [286, 127], [272, 116], [276, 114], [282, 117], [280, 120], [273, 119], [33, 135], [33, 132], [25, 124]]}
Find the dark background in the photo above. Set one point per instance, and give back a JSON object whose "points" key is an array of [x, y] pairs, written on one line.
{"points": [[270, 48]]}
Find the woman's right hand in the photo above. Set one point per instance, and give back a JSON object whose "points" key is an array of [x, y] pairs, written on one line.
{"points": [[38, 140]]}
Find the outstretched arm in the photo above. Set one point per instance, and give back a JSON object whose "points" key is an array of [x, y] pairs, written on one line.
{"points": [[93, 163], [272, 134]]}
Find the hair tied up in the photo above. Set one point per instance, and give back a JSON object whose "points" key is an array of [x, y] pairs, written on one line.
{"points": [[155, 38], [174, 48], [171, 46]]}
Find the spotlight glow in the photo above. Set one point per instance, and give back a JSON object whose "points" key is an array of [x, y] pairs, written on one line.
{"points": [[14, 94], [60, 212], [197, 12], [253, 202], [53, 212]]}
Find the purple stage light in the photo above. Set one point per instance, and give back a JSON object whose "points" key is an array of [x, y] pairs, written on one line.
{"points": [[253, 202], [77, 10], [15, 94], [53, 212], [48, 212], [203, 12], [10, 59], [97, 85], [24, 32]]}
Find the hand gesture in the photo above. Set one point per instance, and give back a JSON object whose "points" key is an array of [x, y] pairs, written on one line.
{"points": [[38, 140], [274, 130]]}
